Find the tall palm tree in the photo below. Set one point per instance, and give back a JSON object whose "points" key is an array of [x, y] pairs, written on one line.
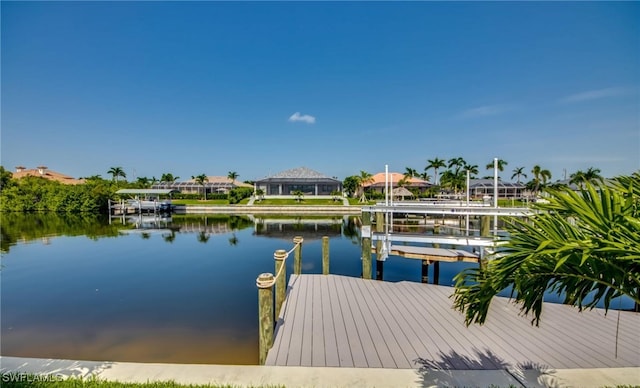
{"points": [[473, 170], [501, 164], [168, 178], [517, 172], [363, 179], [457, 163], [592, 175], [201, 180], [410, 172], [143, 182], [117, 172], [540, 175], [233, 176], [435, 164]]}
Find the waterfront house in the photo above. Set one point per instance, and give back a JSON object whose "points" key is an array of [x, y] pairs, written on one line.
{"points": [[397, 179], [302, 179], [479, 188], [214, 185], [44, 172]]}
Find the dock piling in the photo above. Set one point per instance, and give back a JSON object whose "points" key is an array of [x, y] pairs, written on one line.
{"points": [[425, 271], [265, 314], [297, 260], [281, 281], [366, 245], [325, 255]]}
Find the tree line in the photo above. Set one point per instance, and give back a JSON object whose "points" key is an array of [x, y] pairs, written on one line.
{"points": [[36, 194], [451, 175]]}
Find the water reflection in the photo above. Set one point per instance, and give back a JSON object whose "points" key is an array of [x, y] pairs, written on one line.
{"points": [[169, 290]]}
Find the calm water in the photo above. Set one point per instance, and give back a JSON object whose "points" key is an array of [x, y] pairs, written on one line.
{"points": [[182, 291], [81, 288]]}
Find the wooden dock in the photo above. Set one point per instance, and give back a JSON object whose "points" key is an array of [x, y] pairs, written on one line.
{"points": [[338, 321]]}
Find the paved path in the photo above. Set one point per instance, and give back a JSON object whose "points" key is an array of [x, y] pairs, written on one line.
{"points": [[242, 376]]}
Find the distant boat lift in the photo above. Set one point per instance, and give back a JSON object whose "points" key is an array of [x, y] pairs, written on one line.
{"points": [[145, 200]]}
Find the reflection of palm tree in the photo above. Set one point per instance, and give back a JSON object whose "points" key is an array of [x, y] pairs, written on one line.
{"points": [[517, 172], [435, 164], [350, 230], [169, 237], [203, 237], [145, 235], [233, 240]]}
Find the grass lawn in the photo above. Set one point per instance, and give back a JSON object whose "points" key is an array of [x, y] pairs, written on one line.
{"points": [[27, 380], [356, 202], [293, 202], [207, 202]]}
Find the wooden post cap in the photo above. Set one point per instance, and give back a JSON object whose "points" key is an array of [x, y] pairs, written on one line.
{"points": [[297, 239], [265, 280], [280, 254]]}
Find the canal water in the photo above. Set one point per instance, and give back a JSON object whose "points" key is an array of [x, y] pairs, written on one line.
{"points": [[179, 290], [152, 290]]}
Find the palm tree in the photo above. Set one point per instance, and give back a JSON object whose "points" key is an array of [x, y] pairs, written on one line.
{"points": [[143, 182], [582, 246], [363, 179], [539, 175], [517, 172], [117, 172], [410, 172], [201, 180], [435, 164], [501, 164], [299, 195], [260, 194], [592, 175], [168, 178], [458, 163], [233, 176], [473, 169]]}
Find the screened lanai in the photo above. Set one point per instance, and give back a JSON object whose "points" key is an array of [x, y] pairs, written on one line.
{"points": [[479, 188], [214, 185]]}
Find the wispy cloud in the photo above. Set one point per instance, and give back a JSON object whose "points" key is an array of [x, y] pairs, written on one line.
{"points": [[486, 110], [304, 118], [594, 95]]}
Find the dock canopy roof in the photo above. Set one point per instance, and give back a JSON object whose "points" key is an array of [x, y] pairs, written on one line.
{"points": [[147, 191]]}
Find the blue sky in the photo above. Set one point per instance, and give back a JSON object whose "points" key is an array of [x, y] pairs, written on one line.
{"points": [[257, 88]]}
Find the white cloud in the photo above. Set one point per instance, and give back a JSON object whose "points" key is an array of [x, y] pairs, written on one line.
{"points": [[487, 110], [594, 95], [304, 118]]}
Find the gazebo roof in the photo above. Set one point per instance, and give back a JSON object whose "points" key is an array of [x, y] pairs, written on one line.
{"points": [[402, 192]]}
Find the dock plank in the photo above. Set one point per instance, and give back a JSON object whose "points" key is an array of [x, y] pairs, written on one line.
{"points": [[331, 320]]}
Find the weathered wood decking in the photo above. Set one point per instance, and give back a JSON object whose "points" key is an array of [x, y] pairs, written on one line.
{"points": [[349, 322]]}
